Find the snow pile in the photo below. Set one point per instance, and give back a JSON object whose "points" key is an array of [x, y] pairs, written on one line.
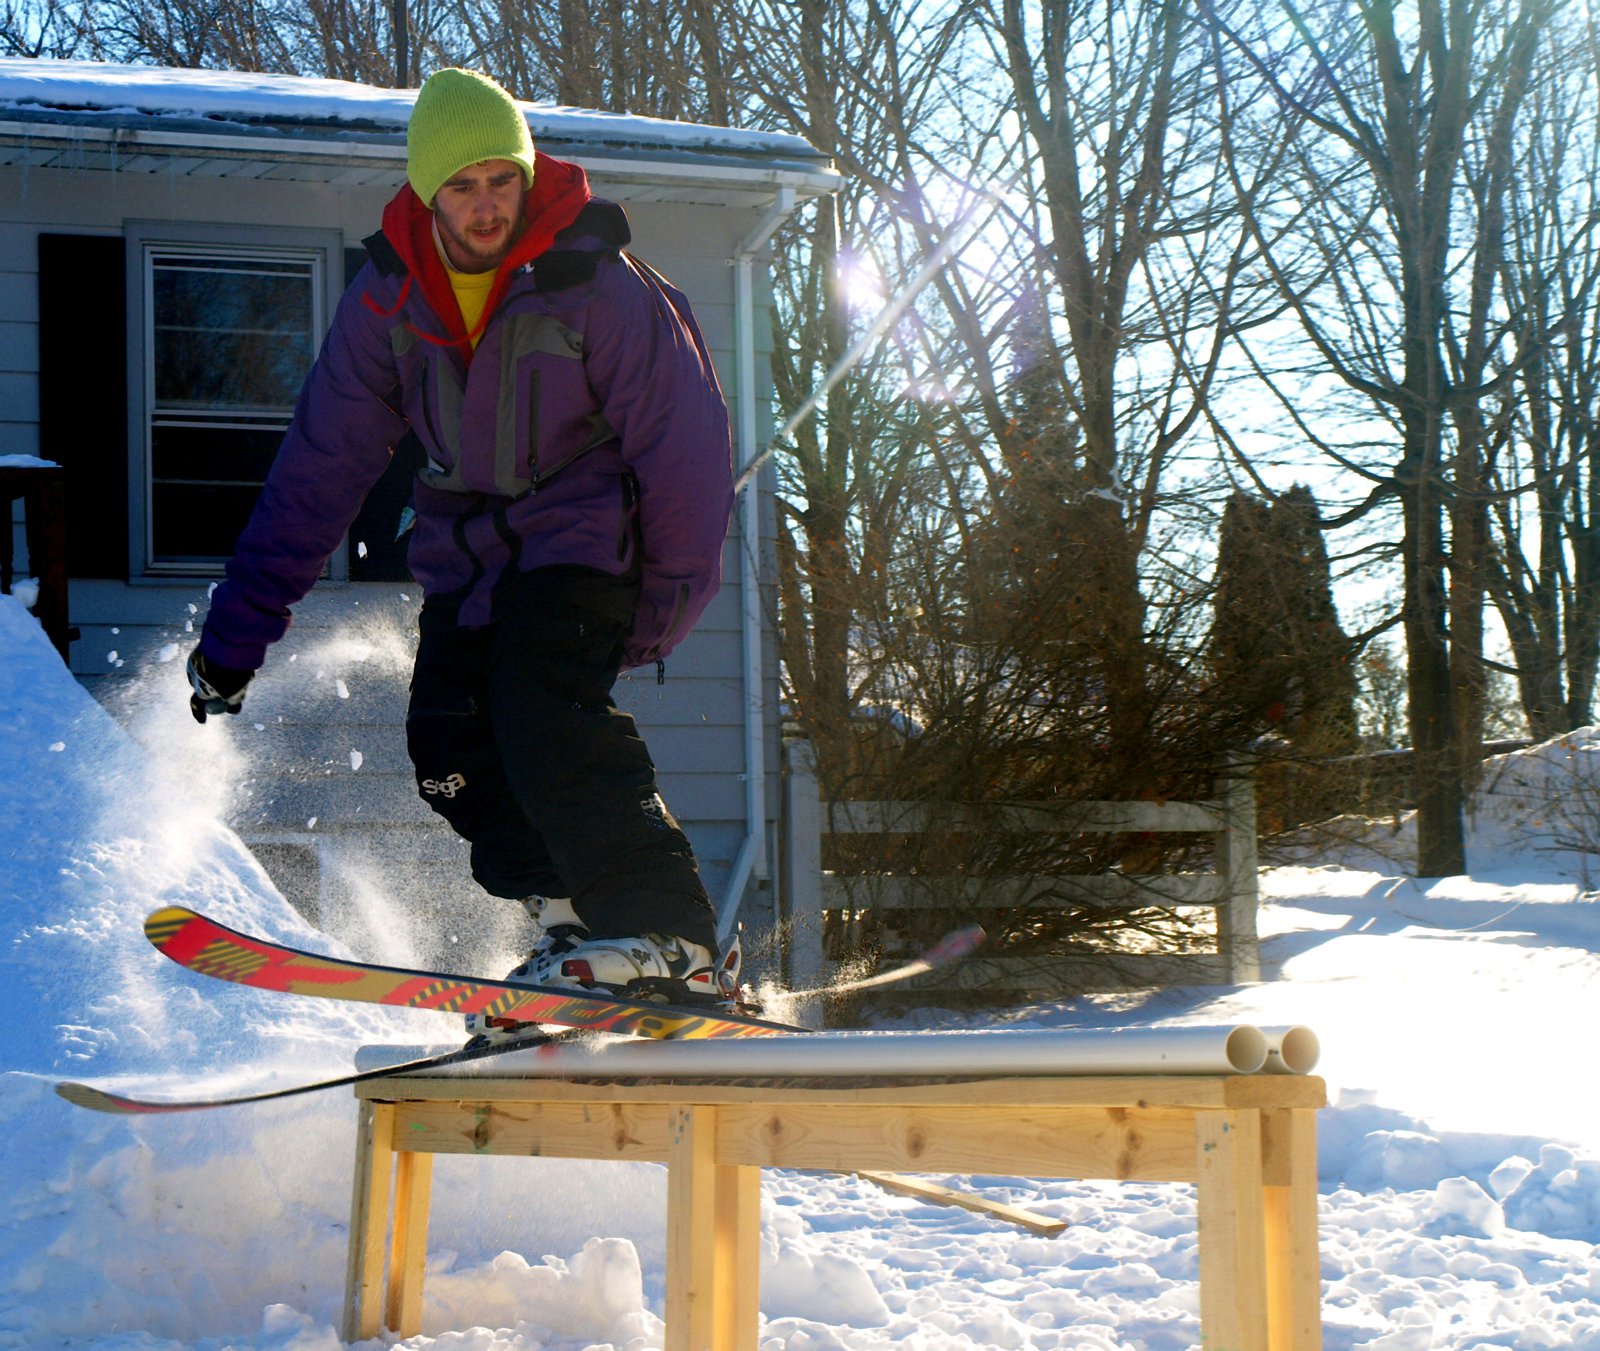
{"points": [[85, 89], [1544, 798], [598, 1295], [1460, 1164], [1540, 805]]}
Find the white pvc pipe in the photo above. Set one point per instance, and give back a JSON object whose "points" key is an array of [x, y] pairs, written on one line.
{"points": [[1239, 1049], [1291, 1050]]}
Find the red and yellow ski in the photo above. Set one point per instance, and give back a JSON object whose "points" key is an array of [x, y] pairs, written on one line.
{"points": [[213, 949]]}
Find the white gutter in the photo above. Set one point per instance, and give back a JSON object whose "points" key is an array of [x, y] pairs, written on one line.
{"points": [[752, 859]]}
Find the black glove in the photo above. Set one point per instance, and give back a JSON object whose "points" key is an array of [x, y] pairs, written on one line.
{"points": [[216, 688]]}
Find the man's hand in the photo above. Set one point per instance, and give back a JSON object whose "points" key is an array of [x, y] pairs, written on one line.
{"points": [[216, 688]]}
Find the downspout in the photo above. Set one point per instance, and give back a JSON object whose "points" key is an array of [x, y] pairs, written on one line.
{"points": [[752, 859]]}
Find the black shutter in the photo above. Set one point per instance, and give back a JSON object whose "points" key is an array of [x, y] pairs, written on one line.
{"points": [[83, 393], [376, 555]]}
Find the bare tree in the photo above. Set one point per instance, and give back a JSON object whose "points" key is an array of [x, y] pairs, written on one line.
{"points": [[1132, 233], [163, 32], [1543, 566], [848, 78], [1385, 230], [637, 56], [1065, 356], [48, 28]]}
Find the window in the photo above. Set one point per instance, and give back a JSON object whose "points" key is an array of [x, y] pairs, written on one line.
{"points": [[229, 337], [225, 335]]}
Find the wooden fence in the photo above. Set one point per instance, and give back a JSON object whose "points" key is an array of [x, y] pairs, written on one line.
{"points": [[817, 899]]}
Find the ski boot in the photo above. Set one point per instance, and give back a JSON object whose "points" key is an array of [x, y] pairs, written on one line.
{"points": [[659, 968], [560, 930]]}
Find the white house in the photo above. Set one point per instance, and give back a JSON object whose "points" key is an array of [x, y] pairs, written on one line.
{"points": [[129, 194]]}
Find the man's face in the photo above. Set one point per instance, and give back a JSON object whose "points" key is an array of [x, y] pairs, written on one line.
{"points": [[479, 212]]}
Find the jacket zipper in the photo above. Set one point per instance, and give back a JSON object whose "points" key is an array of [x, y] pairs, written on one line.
{"points": [[542, 478]]}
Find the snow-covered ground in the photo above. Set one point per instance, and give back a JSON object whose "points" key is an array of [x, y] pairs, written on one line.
{"points": [[1460, 1163]]}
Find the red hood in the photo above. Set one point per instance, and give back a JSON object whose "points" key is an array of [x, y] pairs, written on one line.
{"points": [[560, 191]]}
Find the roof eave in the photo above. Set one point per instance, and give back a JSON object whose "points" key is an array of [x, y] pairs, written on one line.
{"points": [[129, 137]]}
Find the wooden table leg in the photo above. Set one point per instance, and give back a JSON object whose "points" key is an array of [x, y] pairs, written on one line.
{"points": [[1294, 1262], [369, 1220], [738, 1258], [408, 1246], [713, 1240], [1232, 1223], [691, 1229]]}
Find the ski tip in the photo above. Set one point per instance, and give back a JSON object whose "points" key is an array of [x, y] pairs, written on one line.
{"points": [[956, 944], [98, 1100], [159, 924], [81, 1095]]}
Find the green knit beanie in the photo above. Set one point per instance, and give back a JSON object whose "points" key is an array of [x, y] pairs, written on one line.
{"points": [[462, 118]]}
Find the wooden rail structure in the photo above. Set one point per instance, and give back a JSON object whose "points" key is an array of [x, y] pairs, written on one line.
{"points": [[1246, 1142], [1231, 889]]}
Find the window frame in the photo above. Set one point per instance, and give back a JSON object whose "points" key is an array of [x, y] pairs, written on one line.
{"points": [[322, 249]]}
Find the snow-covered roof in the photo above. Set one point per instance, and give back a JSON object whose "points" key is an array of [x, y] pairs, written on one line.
{"points": [[85, 114]]}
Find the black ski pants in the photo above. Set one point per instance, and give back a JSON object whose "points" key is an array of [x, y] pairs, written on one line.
{"points": [[518, 745]]}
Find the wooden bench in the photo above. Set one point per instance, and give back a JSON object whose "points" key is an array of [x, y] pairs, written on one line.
{"points": [[1248, 1143]]}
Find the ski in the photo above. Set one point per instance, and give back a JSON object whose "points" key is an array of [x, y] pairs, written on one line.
{"points": [[119, 1104], [950, 948], [213, 949]]}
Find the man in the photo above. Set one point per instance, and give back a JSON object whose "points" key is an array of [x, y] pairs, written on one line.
{"points": [[568, 518]]}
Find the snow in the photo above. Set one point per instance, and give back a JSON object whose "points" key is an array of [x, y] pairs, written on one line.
{"points": [[1459, 1165], [87, 89]]}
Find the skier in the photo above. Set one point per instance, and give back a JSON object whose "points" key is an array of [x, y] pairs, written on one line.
{"points": [[568, 516]]}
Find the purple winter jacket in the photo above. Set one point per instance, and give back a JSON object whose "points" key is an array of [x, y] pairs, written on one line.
{"points": [[586, 428]]}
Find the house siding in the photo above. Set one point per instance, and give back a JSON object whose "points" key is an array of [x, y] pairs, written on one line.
{"points": [[19, 343], [294, 740]]}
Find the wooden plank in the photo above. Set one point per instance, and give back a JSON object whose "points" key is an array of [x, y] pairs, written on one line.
{"points": [[1041, 892], [408, 1247], [922, 1190], [917, 818], [1294, 1277], [568, 1130], [1134, 1144], [691, 1313], [369, 1217], [1276, 1090], [1230, 1211], [1237, 861], [426, 1121]]}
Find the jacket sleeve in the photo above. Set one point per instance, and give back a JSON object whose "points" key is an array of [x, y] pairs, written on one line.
{"points": [[648, 364], [335, 449]]}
